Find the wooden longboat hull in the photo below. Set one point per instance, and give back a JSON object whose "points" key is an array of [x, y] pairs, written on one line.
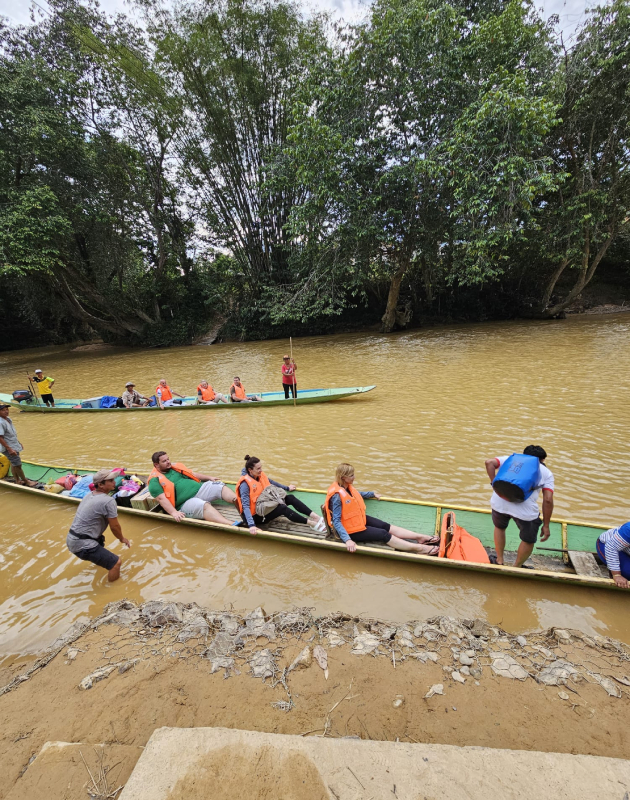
{"points": [[304, 397], [424, 517]]}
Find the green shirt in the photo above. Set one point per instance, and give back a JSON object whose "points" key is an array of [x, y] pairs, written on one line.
{"points": [[185, 488]]}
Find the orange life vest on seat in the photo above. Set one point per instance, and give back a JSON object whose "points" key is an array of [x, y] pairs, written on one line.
{"points": [[166, 392], [239, 391], [458, 544], [206, 394], [256, 488], [353, 516], [168, 487]]}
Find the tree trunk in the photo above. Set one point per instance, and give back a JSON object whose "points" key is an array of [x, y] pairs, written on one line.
{"points": [[584, 278], [389, 317]]}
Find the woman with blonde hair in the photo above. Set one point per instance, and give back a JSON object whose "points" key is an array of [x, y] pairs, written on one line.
{"points": [[345, 509]]}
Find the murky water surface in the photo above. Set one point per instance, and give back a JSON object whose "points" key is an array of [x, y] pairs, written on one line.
{"points": [[447, 398]]}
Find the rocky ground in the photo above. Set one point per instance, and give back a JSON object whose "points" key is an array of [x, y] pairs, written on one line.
{"points": [[114, 679]]}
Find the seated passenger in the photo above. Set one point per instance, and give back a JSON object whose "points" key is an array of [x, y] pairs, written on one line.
{"points": [[183, 493], [345, 509], [206, 395], [238, 394], [164, 394], [133, 399], [251, 486], [613, 547]]}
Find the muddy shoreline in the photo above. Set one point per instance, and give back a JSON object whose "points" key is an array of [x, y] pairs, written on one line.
{"points": [[114, 679]]}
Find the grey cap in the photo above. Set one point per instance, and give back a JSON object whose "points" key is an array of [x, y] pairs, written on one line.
{"points": [[104, 475], [130, 383]]}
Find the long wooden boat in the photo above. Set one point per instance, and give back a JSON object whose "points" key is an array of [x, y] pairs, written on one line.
{"points": [[567, 557], [189, 403]]}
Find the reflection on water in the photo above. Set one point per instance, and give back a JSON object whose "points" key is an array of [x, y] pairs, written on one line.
{"points": [[447, 398]]}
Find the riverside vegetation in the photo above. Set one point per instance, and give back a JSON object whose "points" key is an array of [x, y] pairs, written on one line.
{"points": [[242, 167]]}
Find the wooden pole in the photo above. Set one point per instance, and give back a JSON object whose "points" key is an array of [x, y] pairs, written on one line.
{"points": [[293, 387], [32, 388]]}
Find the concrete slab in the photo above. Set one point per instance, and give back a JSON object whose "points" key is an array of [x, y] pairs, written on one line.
{"points": [[58, 771], [222, 764]]}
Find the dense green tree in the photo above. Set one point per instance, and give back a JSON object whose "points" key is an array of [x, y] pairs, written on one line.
{"points": [[421, 143], [591, 151]]}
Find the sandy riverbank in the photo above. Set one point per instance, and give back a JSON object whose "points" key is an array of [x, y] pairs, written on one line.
{"points": [[167, 664]]}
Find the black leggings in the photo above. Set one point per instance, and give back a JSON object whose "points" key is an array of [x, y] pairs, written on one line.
{"points": [[376, 530], [283, 510], [293, 388]]}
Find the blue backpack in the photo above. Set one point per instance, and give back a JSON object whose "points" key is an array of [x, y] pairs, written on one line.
{"points": [[518, 477]]}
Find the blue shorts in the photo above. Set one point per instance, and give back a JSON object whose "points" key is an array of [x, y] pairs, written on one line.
{"points": [[624, 560], [100, 556]]}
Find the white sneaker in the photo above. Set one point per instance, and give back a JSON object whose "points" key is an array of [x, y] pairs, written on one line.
{"points": [[320, 526]]}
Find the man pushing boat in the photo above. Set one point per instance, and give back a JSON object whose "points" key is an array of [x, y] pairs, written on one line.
{"points": [[183, 493], [97, 511]]}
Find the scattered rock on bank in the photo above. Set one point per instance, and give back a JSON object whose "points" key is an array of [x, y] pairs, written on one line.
{"points": [[256, 643]]}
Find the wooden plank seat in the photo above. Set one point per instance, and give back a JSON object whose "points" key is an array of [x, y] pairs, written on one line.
{"points": [[585, 564]]}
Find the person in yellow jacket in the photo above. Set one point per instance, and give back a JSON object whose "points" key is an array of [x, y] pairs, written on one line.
{"points": [[345, 510], [183, 493], [44, 386]]}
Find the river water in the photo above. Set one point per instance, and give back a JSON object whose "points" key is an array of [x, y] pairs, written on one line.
{"points": [[447, 398]]}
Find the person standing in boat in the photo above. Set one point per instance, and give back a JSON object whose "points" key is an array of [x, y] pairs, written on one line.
{"points": [[97, 511], [44, 386], [11, 447], [183, 493], [239, 395], [525, 513], [256, 493], [289, 380], [613, 547], [345, 510], [164, 394], [206, 395]]}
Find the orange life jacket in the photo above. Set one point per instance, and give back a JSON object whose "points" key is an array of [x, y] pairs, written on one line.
{"points": [[206, 394], [239, 391], [168, 487], [256, 488], [458, 544], [166, 392], [352, 508]]}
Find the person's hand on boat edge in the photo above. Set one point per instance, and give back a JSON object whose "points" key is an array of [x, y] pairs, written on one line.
{"points": [[351, 546], [377, 496], [178, 516], [292, 487], [620, 581], [254, 530]]}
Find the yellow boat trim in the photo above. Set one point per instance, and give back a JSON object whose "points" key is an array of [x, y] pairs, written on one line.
{"points": [[143, 470]]}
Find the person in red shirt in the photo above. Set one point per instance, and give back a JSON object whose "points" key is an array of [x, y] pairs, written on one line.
{"points": [[289, 368]]}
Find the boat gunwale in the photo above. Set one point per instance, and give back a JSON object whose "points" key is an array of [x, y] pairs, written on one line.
{"points": [[329, 544]]}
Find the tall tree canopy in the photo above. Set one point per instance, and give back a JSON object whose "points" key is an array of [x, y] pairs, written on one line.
{"points": [[240, 165]]}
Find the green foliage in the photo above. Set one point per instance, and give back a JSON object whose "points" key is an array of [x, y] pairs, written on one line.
{"points": [[237, 161]]}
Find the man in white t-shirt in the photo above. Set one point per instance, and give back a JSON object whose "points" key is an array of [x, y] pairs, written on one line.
{"points": [[526, 514]]}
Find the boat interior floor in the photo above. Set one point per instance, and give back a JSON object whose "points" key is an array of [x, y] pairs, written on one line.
{"points": [[536, 561]]}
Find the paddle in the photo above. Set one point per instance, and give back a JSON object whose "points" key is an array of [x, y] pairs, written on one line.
{"points": [[30, 382], [293, 387]]}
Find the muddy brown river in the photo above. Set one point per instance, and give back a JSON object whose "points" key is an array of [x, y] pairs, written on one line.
{"points": [[447, 398]]}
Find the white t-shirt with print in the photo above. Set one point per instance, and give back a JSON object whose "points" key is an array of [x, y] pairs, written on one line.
{"points": [[528, 509]]}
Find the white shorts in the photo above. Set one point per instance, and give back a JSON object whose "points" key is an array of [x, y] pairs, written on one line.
{"points": [[208, 493], [168, 402]]}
